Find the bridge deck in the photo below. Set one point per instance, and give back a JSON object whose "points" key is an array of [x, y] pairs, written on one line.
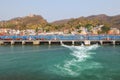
{"points": [[72, 42]]}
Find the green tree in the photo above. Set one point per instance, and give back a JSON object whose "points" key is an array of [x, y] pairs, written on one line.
{"points": [[88, 26], [78, 26], [105, 29]]}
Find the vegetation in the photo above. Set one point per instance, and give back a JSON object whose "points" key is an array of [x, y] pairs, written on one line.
{"points": [[105, 29], [28, 22], [38, 23]]}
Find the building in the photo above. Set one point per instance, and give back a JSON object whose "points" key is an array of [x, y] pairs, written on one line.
{"points": [[114, 31]]}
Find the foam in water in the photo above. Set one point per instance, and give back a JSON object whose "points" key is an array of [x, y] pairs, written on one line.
{"points": [[80, 61]]}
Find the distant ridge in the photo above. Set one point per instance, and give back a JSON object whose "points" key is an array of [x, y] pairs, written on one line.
{"points": [[59, 22], [33, 21], [113, 21]]}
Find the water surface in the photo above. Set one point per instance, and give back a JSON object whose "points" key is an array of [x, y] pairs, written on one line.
{"points": [[57, 62]]}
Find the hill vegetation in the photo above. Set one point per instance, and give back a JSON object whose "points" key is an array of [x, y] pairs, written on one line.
{"points": [[111, 21], [28, 22], [38, 22]]}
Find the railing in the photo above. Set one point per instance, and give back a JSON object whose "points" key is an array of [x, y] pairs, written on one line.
{"points": [[62, 37]]}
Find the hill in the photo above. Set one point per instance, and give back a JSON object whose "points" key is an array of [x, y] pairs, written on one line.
{"points": [[27, 22], [111, 21], [38, 22]]}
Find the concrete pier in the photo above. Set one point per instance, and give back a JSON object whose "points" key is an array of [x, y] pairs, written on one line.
{"points": [[49, 42], [1, 42], [73, 42], [12, 42], [61, 42], [23, 42], [87, 42], [113, 42], [36, 42], [101, 42]]}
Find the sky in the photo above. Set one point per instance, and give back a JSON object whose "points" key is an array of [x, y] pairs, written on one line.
{"points": [[52, 10]]}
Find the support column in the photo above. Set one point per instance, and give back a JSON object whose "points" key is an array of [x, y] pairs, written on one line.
{"points": [[49, 42], [101, 42], [73, 42], [12, 42], [113, 42], [36, 42], [87, 42], [1, 42], [61, 42], [23, 42]]}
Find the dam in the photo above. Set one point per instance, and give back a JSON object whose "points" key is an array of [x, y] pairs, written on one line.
{"points": [[60, 39]]}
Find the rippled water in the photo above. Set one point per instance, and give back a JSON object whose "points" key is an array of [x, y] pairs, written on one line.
{"points": [[59, 62]]}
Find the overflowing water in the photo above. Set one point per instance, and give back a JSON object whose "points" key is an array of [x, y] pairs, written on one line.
{"points": [[59, 62]]}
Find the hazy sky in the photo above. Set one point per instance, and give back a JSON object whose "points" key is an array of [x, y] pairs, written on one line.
{"points": [[53, 10]]}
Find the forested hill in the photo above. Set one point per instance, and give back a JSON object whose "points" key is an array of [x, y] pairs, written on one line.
{"points": [[111, 21], [31, 21], [37, 21]]}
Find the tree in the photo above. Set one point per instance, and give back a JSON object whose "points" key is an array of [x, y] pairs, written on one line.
{"points": [[78, 26], [89, 27], [105, 29]]}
